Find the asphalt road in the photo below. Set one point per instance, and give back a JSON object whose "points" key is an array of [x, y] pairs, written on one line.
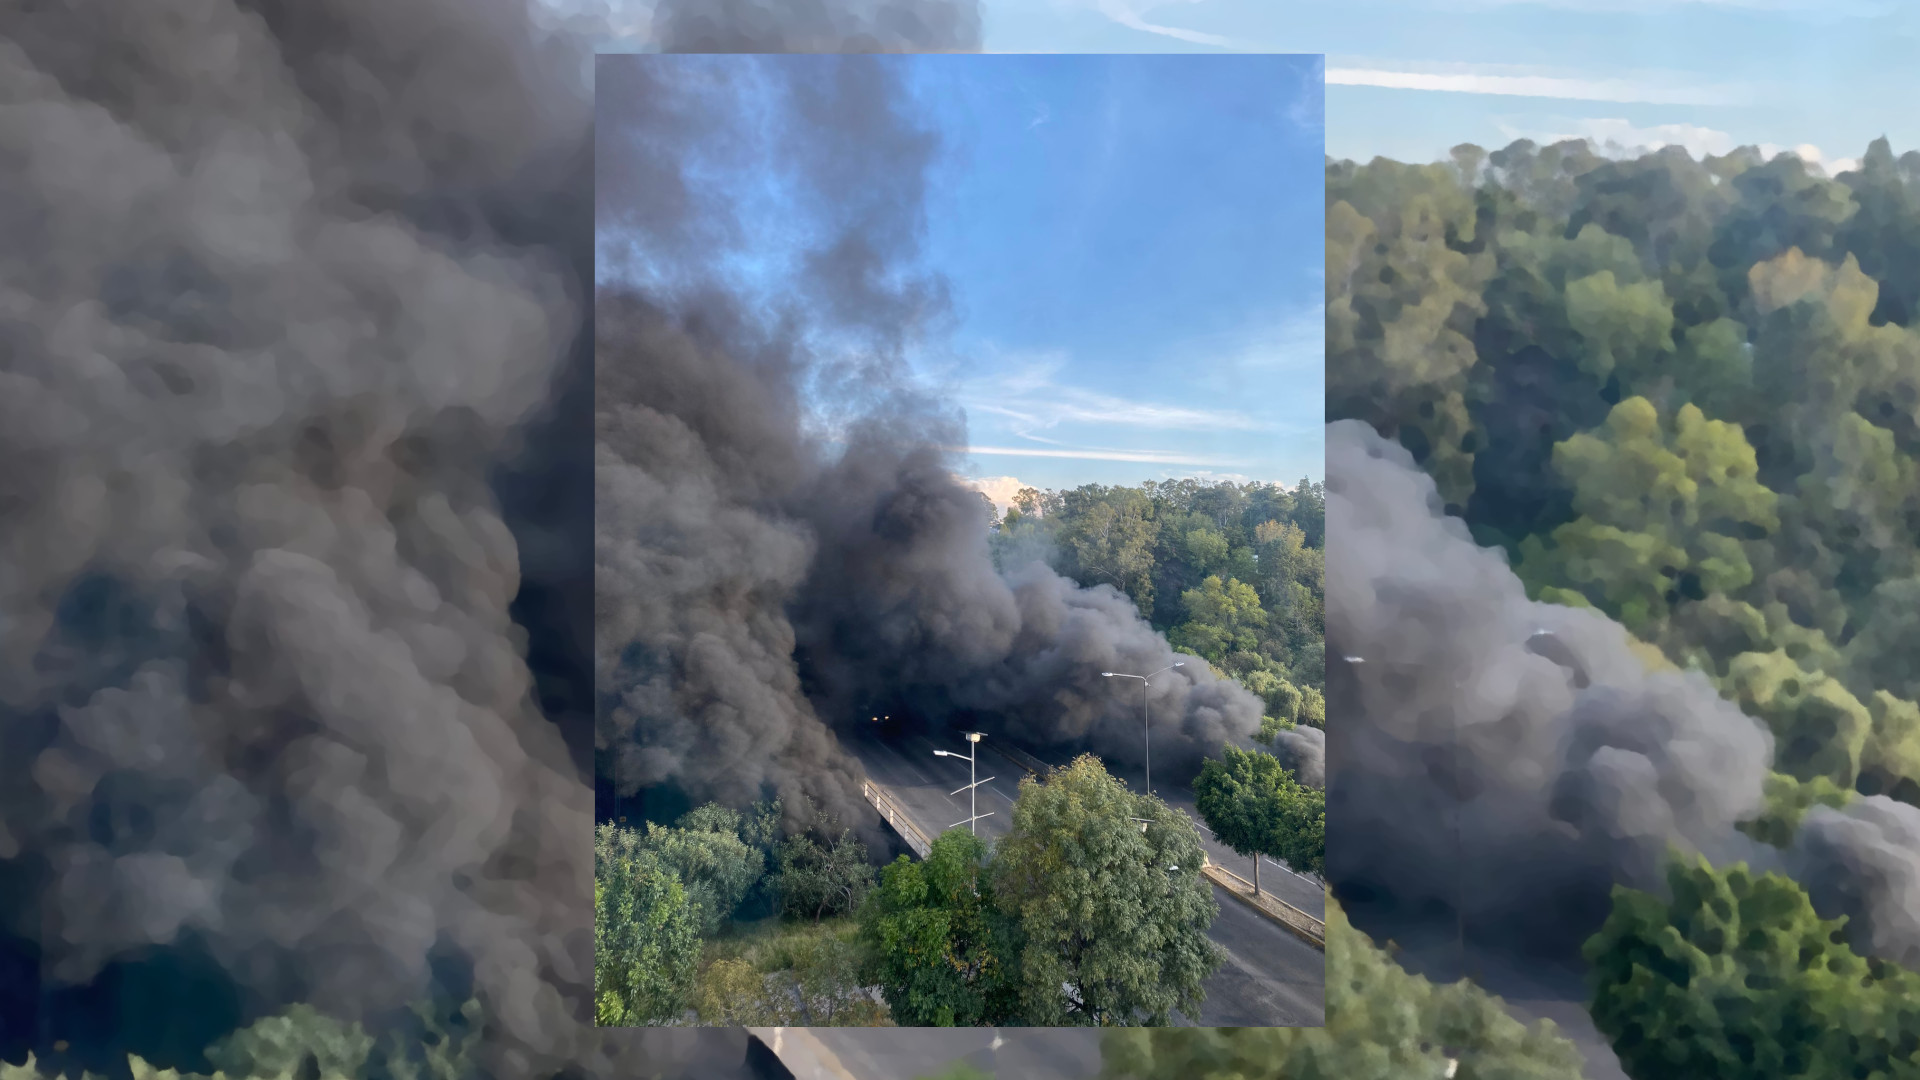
{"points": [[1270, 978], [910, 1053]]}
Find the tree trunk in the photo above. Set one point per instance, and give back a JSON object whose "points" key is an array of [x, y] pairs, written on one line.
{"points": [[1256, 873]]}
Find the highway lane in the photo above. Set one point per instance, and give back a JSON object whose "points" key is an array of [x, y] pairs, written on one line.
{"points": [[1270, 978]]}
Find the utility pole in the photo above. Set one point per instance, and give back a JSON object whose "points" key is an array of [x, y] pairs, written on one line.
{"points": [[973, 788], [1146, 725]]}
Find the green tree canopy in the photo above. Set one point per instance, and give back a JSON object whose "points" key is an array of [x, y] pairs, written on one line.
{"points": [[715, 867], [646, 935], [1256, 807], [1223, 617], [828, 876], [1736, 978], [1116, 915], [944, 953]]}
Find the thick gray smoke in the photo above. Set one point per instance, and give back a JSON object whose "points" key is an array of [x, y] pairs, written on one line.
{"points": [[1512, 760], [1497, 757], [284, 286], [782, 548], [1863, 861], [777, 26], [1304, 751]]}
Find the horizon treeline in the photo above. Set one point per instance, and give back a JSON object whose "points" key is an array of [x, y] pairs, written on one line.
{"points": [[1232, 572]]}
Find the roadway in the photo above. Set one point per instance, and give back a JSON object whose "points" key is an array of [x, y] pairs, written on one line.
{"points": [[1270, 978]]}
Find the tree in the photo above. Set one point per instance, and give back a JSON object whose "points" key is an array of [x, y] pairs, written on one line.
{"points": [[1382, 1024], [1222, 617], [944, 954], [715, 867], [829, 877], [1736, 978], [1256, 807], [1658, 516], [646, 934], [1110, 534], [1115, 915]]}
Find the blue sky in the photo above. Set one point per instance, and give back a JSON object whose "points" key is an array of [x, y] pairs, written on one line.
{"points": [[1134, 245], [1410, 78]]}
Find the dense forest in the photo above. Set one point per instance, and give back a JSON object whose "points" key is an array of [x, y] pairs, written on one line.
{"points": [[1235, 573], [1685, 393]]}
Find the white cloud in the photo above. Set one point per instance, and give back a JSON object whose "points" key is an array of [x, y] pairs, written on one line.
{"points": [[1508, 81], [1621, 138], [1001, 489]]}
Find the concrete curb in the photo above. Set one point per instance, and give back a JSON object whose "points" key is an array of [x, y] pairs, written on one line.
{"points": [[1300, 924]]}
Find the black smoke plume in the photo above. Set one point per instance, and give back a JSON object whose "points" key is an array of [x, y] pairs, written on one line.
{"points": [[782, 547], [294, 565], [1494, 757], [1504, 763]]}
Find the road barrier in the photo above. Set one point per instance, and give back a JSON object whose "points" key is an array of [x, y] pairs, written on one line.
{"points": [[896, 816], [1304, 926]]}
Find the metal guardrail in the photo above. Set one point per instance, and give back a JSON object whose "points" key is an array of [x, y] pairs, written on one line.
{"points": [[896, 816], [1304, 926]]}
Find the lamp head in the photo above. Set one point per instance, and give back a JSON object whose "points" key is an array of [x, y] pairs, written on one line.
{"points": [[1181, 663], [974, 736], [1108, 674]]}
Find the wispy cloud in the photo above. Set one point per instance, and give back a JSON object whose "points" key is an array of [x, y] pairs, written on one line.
{"points": [[1029, 394], [1132, 15], [1094, 453], [1511, 82]]}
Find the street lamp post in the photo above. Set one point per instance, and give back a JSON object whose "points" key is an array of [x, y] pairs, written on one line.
{"points": [[1145, 725], [972, 789]]}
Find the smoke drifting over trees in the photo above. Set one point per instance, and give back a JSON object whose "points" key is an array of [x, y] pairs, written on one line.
{"points": [[1677, 392], [1513, 760], [782, 547], [292, 570]]}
